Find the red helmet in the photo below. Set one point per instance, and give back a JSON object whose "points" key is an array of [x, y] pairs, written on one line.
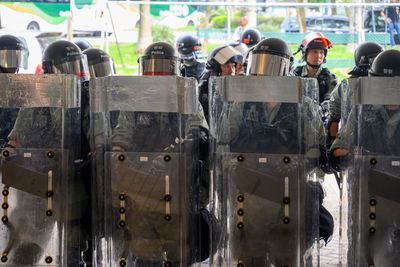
{"points": [[317, 40], [314, 40]]}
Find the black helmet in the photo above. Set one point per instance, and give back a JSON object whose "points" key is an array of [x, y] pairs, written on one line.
{"points": [[314, 40], [363, 58], [271, 57], [82, 44], [189, 47], [66, 58], [222, 55], [100, 63], [386, 63], [159, 58], [13, 54], [250, 37], [366, 53]]}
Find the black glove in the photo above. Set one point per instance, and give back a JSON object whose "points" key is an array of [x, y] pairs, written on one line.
{"points": [[327, 123], [323, 160]]}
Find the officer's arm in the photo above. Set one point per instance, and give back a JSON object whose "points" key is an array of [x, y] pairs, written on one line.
{"points": [[21, 130], [122, 137], [335, 100], [341, 145], [332, 123]]}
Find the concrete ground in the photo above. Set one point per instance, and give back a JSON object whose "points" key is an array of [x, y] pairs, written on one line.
{"points": [[329, 254]]}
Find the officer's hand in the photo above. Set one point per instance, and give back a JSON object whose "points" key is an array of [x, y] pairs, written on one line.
{"points": [[10, 148], [337, 157], [117, 148]]}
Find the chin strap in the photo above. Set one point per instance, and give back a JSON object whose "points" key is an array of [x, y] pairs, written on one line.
{"points": [[313, 66]]}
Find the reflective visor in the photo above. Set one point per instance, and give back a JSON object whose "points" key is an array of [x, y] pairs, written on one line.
{"points": [[14, 58], [77, 66], [101, 69], [269, 65], [158, 66], [197, 54]]}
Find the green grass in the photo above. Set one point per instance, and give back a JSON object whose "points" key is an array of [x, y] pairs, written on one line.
{"points": [[335, 55], [186, 29]]}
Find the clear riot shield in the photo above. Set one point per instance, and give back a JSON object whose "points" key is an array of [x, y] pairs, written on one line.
{"points": [[150, 173], [371, 203], [265, 192], [37, 153]]}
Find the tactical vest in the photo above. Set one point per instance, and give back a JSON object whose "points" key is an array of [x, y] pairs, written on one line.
{"points": [[7, 120], [258, 135], [155, 131], [196, 71], [324, 79], [374, 136]]}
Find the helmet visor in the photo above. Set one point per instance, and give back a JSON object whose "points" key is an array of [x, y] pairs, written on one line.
{"points": [[158, 66], [197, 54], [14, 58], [102, 69], [269, 65], [241, 48], [77, 66], [227, 54]]}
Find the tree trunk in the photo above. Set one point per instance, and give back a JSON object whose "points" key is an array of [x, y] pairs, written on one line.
{"points": [[333, 9], [206, 25], [145, 37], [356, 26], [251, 14], [301, 16]]}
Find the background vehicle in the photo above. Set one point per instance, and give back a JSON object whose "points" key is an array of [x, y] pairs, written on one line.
{"points": [[176, 16], [328, 24], [34, 15], [374, 23], [324, 24], [90, 16]]}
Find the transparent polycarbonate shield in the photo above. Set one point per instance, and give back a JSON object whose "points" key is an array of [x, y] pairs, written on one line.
{"points": [[265, 192], [150, 170], [33, 202], [371, 221], [150, 215], [37, 168]]}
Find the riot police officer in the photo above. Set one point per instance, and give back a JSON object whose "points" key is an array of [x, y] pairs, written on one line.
{"points": [[250, 37], [364, 55], [255, 122], [144, 132], [242, 49], [367, 147], [52, 125], [63, 57], [386, 64], [189, 49], [221, 61], [13, 55], [314, 49]]}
